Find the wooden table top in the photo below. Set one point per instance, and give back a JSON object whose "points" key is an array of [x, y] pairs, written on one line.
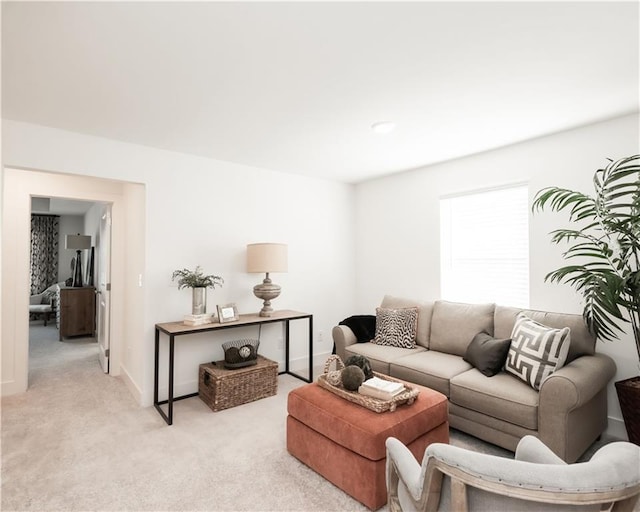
{"points": [[177, 328]]}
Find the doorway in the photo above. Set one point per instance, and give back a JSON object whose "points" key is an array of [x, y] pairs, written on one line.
{"points": [[127, 296], [54, 337]]}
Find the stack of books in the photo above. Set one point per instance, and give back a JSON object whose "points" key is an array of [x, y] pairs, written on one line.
{"points": [[380, 388], [197, 319]]}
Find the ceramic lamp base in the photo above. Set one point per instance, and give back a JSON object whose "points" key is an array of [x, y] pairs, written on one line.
{"points": [[266, 291]]}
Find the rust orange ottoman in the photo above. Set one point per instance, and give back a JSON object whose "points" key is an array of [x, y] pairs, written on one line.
{"points": [[344, 442]]}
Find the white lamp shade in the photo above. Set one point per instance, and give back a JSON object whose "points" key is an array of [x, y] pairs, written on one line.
{"points": [[267, 257], [78, 242]]}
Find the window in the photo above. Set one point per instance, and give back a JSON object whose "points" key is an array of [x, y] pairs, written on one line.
{"points": [[484, 243]]}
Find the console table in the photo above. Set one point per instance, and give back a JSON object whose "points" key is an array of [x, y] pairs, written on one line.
{"points": [[174, 329]]}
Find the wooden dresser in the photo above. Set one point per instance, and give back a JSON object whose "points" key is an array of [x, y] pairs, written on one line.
{"points": [[77, 308]]}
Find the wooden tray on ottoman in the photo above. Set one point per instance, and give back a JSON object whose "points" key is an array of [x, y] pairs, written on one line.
{"points": [[221, 388], [407, 396]]}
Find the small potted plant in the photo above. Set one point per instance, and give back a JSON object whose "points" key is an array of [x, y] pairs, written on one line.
{"points": [[198, 282]]}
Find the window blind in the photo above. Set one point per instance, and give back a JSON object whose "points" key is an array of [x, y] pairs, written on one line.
{"points": [[485, 247]]}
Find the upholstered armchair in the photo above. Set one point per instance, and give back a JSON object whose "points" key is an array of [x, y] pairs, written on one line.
{"points": [[454, 479], [43, 303]]}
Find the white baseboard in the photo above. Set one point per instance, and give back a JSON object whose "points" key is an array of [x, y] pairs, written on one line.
{"points": [[616, 429], [132, 387], [11, 387], [302, 363], [179, 389]]}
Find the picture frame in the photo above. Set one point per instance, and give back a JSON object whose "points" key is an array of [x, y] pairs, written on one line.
{"points": [[227, 313]]}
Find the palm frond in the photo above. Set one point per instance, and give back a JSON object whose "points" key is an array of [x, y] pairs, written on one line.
{"points": [[607, 246], [560, 198]]}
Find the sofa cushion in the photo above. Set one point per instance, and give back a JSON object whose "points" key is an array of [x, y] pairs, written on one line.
{"points": [[536, 350], [425, 310], [454, 324], [380, 355], [396, 327], [429, 368], [503, 396], [487, 353], [582, 343]]}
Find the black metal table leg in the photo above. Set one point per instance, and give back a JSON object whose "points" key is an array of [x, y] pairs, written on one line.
{"points": [[170, 397], [156, 366], [287, 365], [156, 363], [286, 347]]}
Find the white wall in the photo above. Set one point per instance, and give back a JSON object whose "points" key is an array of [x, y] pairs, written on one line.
{"points": [[203, 212], [397, 219]]}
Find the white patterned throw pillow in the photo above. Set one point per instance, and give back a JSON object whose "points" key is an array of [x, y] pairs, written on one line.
{"points": [[396, 327], [536, 350]]}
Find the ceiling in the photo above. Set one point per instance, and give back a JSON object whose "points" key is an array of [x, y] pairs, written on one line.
{"points": [[59, 206], [295, 86]]}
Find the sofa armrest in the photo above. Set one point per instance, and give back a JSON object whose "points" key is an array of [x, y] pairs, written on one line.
{"points": [[578, 382], [572, 404], [343, 337]]}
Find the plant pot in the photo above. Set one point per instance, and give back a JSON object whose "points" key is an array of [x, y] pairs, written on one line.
{"points": [[629, 397], [199, 301]]}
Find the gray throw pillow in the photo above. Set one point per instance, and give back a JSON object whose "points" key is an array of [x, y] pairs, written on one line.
{"points": [[487, 353]]}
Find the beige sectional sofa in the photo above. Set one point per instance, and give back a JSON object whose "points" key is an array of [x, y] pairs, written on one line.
{"points": [[569, 411]]}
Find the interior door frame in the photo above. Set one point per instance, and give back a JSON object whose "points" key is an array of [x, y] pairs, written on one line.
{"points": [[103, 288], [19, 185]]}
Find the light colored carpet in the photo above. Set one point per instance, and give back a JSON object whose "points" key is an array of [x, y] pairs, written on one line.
{"points": [[76, 440]]}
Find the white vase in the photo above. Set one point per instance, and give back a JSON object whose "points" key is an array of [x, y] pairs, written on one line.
{"points": [[199, 301]]}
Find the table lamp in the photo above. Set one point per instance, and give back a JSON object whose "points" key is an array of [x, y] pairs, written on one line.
{"points": [[78, 242], [267, 258]]}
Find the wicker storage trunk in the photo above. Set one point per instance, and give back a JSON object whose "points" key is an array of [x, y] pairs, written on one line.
{"points": [[221, 388]]}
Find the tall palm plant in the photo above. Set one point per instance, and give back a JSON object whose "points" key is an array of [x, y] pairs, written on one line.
{"points": [[605, 246]]}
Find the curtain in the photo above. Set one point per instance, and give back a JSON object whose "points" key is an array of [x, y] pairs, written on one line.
{"points": [[44, 252]]}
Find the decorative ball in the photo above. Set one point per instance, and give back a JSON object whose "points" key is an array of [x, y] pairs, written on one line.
{"points": [[232, 355], [352, 377], [363, 363], [245, 352], [253, 351], [334, 377]]}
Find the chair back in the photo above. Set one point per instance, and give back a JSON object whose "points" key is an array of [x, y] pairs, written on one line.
{"points": [[452, 478]]}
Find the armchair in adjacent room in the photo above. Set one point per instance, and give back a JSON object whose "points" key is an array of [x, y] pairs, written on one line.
{"points": [[456, 479], [44, 303]]}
